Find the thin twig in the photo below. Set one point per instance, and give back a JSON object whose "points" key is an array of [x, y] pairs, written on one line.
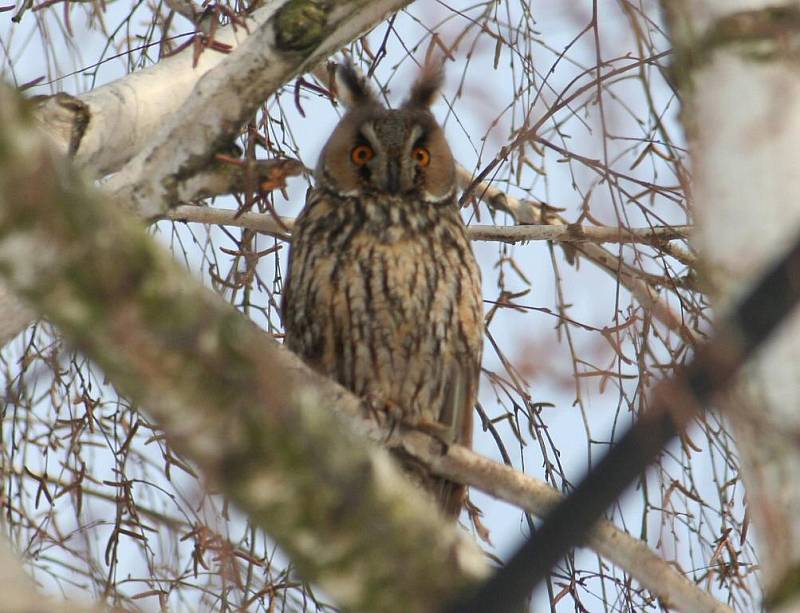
{"points": [[573, 233]]}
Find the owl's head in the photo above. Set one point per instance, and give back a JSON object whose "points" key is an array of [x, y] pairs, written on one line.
{"points": [[400, 152]]}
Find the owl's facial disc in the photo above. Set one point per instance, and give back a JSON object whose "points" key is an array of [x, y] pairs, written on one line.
{"points": [[393, 169], [397, 153]]}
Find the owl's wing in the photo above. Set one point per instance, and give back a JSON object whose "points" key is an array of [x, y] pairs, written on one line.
{"points": [[459, 401], [460, 396], [287, 284]]}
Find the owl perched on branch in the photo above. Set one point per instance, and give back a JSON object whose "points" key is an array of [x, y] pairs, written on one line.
{"points": [[383, 292]]}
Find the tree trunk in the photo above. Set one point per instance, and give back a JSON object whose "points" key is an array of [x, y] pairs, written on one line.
{"points": [[737, 72]]}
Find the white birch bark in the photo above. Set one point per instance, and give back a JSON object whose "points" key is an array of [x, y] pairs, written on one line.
{"points": [[122, 116], [227, 96], [737, 68]]}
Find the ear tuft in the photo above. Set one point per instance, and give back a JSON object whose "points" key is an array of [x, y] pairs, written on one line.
{"points": [[353, 87], [426, 88]]}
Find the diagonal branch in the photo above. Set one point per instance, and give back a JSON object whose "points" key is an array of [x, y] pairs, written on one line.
{"points": [[676, 402], [251, 416], [535, 496], [297, 35], [104, 128]]}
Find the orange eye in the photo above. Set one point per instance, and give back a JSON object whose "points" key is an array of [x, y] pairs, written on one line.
{"points": [[361, 154], [422, 156]]}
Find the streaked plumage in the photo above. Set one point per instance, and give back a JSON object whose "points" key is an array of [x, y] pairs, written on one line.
{"points": [[383, 291]]}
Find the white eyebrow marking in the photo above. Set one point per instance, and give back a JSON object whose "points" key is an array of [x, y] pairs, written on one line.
{"points": [[429, 197]]}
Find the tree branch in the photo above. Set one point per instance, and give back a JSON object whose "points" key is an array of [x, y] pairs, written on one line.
{"points": [[252, 417], [104, 128], [576, 233], [296, 36], [532, 495], [233, 175], [722, 52], [573, 233], [528, 212]]}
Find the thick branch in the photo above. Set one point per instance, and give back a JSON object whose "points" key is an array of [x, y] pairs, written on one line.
{"points": [[102, 129], [252, 417], [299, 34], [630, 554], [730, 59]]}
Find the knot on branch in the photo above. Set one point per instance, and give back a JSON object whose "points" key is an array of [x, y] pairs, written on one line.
{"points": [[300, 24]]}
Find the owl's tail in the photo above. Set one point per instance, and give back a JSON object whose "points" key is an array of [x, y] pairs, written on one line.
{"points": [[451, 497]]}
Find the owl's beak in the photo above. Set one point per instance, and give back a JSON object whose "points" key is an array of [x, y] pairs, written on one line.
{"points": [[393, 176]]}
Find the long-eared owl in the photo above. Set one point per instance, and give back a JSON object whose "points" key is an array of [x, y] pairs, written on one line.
{"points": [[383, 293]]}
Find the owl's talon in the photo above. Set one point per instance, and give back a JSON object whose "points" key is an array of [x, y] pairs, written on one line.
{"points": [[431, 426], [440, 432], [386, 413]]}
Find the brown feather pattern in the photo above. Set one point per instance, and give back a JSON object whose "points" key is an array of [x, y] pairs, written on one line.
{"points": [[385, 297]]}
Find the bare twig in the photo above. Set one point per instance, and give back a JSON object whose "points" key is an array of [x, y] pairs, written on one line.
{"points": [[573, 233], [530, 212]]}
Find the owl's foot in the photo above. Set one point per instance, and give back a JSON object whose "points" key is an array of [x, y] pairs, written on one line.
{"points": [[393, 415], [431, 426], [387, 413], [441, 433]]}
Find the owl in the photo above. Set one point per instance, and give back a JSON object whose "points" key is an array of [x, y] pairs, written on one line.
{"points": [[383, 293]]}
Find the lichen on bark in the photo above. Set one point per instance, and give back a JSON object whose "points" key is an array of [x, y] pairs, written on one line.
{"points": [[300, 24]]}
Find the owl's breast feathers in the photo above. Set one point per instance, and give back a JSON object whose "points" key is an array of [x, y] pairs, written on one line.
{"points": [[385, 297]]}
